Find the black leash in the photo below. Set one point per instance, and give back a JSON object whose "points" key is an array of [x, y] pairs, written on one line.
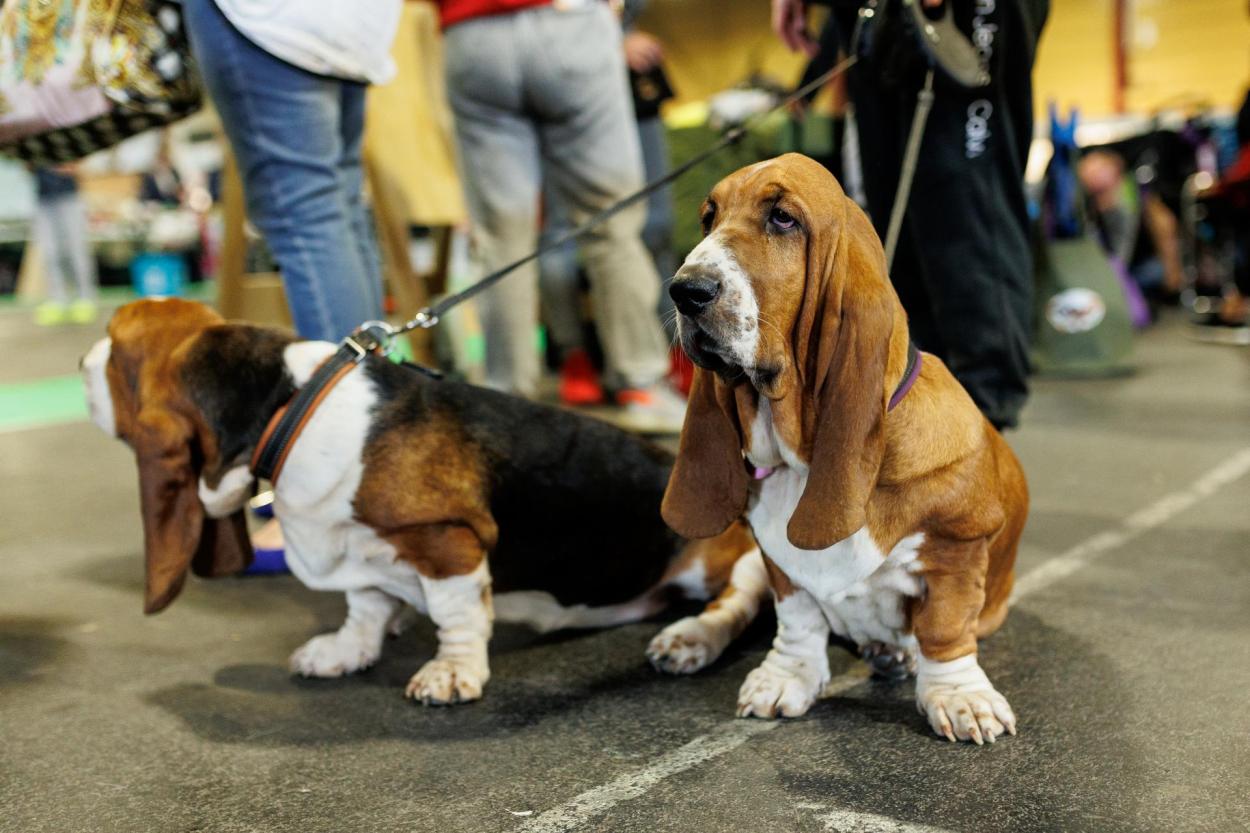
{"points": [[430, 316], [377, 337]]}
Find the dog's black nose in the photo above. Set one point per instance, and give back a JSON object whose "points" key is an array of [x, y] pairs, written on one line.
{"points": [[694, 294]]}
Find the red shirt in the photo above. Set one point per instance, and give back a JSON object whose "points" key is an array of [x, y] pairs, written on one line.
{"points": [[452, 12]]}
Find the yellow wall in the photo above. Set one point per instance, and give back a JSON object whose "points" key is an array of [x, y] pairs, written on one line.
{"points": [[712, 45], [1074, 59], [1178, 49], [1186, 48]]}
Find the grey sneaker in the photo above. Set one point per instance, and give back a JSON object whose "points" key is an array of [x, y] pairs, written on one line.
{"points": [[658, 409]]}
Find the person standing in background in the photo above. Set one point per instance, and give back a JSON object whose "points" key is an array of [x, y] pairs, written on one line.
{"points": [[559, 271], [963, 268], [289, 81], [538, 88], [644, 55], [59, 231]]}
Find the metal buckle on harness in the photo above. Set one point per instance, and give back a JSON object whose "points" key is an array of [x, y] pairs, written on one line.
{"points": [[370, 337]]}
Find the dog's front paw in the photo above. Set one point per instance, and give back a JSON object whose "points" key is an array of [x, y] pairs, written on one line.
{"points": [[770, 692], [442, 682], [333, 655], [686, 646], [961, 704]]}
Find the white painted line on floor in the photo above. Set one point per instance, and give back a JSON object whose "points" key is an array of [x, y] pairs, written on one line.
{"points": [[598, 800], [850, 821], [1144, 520]]}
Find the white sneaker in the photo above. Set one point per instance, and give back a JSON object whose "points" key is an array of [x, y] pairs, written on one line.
{"points": [[658, 409]]}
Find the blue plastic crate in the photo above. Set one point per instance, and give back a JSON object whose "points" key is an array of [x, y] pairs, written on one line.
{"points": [[158, 274]]}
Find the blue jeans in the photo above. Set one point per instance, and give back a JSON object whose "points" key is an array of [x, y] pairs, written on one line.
{"points": [[297, 139]]}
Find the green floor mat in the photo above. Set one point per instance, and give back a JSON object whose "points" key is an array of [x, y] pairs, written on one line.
{"points": [[48, 401]]}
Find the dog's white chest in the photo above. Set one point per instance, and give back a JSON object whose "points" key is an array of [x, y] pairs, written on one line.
{"points": [[326, 547], [861, 590]]}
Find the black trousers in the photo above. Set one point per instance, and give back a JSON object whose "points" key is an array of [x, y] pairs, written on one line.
{"points": [[963, 267]]}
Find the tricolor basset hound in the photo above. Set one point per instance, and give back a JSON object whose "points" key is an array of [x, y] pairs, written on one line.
{"points": [[887, 507], [464, 503]]}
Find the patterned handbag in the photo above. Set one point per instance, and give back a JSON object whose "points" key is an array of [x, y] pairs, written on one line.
{"points": [[77, 76]]}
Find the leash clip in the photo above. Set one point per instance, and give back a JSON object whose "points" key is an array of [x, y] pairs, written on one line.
{"points": [[370, 337], [423, 320]]}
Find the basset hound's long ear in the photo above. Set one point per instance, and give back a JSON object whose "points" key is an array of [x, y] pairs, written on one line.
{"points": [[707, 490], [156, 418], [852, 321], [177, 535]]}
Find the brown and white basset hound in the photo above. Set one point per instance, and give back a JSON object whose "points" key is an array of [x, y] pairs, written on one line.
{"points": [[463, 503], [888, 515]]}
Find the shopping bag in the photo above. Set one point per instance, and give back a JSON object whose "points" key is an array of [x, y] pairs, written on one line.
{"points": [[77, 76], [1083, 327]]}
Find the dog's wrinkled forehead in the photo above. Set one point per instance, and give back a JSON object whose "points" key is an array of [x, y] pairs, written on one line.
{"points": [[795, 179], [152, 329], [151, 322]]}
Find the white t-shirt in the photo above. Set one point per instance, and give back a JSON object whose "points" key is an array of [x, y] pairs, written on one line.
{"points": [[343, 38]]}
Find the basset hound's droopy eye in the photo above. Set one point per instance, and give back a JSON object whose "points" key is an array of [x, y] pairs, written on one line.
{"points": [[708, 217], [781, 220]]}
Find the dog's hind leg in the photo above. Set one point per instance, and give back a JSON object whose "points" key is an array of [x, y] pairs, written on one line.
{"points": [[353, 647], [693, 643]]}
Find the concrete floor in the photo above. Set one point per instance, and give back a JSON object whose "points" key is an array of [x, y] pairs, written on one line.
{"points": [[1127, 660]]}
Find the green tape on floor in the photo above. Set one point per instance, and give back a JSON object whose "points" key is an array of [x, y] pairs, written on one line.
{"points": [[42, 402]]}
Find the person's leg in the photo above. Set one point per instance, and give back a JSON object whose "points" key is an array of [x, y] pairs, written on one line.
{"points": [[576, 82], [657, 231], [285, 126], [77, 242], [351, 177], [882, 118], [558, 280], [500, 170], [46, 236], [964, 241], [983, 287]]}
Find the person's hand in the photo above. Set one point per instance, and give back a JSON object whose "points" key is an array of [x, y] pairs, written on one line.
{"points": [[642, 52], [790, 24]]}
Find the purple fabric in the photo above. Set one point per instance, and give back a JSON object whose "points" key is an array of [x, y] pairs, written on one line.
{"points": [[903, 388], [1138, 309]]}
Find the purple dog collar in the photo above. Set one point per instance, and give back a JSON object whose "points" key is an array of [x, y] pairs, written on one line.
{"points": [[909, 378]]}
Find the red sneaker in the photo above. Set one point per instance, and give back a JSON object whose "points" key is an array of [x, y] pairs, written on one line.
{"points": [[579, 381]]}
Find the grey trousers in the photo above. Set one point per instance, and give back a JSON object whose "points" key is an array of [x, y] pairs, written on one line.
{"points": [[60, 232], [545, 91]]}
